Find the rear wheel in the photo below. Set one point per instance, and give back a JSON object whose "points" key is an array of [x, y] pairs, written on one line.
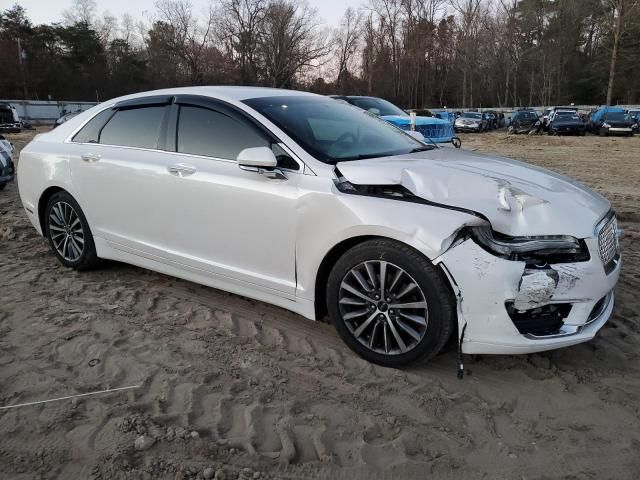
{"points": [[68, 232], [2, 185], [389, 303]]}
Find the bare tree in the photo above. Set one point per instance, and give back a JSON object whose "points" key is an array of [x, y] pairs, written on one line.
{"points": [[347, 41], [81, 11], [190, 36], [239, 25], [470, 12], [621, 10], [290, 41]]}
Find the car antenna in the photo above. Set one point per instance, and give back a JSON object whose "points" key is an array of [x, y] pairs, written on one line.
{"points": [[460, 362]]}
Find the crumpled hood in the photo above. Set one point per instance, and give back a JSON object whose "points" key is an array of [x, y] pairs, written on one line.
{"points": [[406, 120], [518, 199]]}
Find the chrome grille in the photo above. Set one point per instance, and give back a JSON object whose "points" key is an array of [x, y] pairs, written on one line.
{"points": [[608, 241]]}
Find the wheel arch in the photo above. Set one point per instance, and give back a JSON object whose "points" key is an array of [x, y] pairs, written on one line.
{"points": [[332, 256], [42, 205]]}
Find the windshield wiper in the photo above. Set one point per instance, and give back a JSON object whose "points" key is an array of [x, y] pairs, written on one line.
{"points": [[423, 149]]}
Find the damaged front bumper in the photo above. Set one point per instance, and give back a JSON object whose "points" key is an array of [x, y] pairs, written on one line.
{"points": [[510, 307]]}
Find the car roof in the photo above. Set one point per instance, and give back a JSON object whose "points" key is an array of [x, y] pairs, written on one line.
{"points": [[229, 92]]}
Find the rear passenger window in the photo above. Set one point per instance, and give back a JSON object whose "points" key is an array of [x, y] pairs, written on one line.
{"points": [[90, 132], [136, 127], [213, 134]]}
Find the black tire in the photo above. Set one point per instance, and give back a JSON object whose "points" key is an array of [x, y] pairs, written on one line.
{"points": [[441, 309], [88, 258], [603, 132], [2, 185]]}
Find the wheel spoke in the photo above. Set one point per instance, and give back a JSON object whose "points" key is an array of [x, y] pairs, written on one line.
{"points": [[76, 247], [54, 227], [385, 333], [414, 318], [355, 314], [395, 279], [79, 239], [355, 292], [373, 335], [352, 301], [409, 330], [64, 247], [406, 290], [396, 335], [365, 324], [370, 272], [409, 305], [383, 274], [363, 283]]}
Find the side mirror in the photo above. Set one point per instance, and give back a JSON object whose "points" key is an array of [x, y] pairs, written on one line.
{"points": [[261, 157], [260, 160], [415, 134]]}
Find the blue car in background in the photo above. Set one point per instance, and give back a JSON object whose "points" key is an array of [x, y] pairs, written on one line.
{"points": [[611, 121], [434, 129]]}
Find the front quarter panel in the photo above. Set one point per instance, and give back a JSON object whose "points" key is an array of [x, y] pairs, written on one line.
{"points": [[327, 217], [42, 164]]}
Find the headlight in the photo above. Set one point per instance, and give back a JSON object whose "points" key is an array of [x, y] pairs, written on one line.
{"points": [[547, 248], [606, 125]]}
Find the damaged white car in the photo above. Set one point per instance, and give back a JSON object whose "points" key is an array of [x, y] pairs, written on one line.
{"points": [[301, 201]]}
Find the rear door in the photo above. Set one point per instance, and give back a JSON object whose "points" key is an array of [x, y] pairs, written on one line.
{"points": [[116, 160]]}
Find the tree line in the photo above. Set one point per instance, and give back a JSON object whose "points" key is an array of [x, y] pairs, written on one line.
{"points": [[416, 53]]}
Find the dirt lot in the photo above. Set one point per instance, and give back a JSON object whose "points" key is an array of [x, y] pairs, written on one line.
{"points": [[233, 388]]}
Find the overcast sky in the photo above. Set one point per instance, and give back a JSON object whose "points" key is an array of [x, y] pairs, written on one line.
{"points": [[47, 11]]}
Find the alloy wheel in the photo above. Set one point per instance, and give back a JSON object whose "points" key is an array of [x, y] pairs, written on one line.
{"points": [[383, 307], [65, 229]]}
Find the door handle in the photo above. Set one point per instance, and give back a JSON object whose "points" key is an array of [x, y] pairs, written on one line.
{"points": [[181, 170], [90, 157]]}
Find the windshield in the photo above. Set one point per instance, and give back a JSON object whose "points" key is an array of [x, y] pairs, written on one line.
{"points": [[567, 115], [526, 116], [471, 115], [333, 131], [377, 106], [617, 116]]}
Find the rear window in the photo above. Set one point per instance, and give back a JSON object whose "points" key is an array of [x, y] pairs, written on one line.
{"points": [[136, 127], [91, 131]]}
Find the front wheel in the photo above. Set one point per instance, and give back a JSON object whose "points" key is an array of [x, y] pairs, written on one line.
{"points": [[389, 303], [68, 232]]}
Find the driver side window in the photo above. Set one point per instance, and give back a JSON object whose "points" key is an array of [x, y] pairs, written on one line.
{"points": [[210, 133]]}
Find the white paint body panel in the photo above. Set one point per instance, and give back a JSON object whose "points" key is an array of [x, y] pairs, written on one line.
{"points": [[266, 238]]}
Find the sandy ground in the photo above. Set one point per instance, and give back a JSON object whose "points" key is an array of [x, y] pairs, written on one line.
{"points": [[233, 388]]}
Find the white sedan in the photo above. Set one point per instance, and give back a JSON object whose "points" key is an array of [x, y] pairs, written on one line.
{"points": [[303, 202]]}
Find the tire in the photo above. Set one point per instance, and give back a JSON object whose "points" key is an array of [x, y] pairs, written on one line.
{"points": [[603, 132], [2, 185], [68, 233], [430, 327]]}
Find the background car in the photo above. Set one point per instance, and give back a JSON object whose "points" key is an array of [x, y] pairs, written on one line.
{"points": [[66, 117], [635, 120], [613, 122], [522, 121], [471, 122], [7, 168], [563, 122], [9, 119], [434, 129]]}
